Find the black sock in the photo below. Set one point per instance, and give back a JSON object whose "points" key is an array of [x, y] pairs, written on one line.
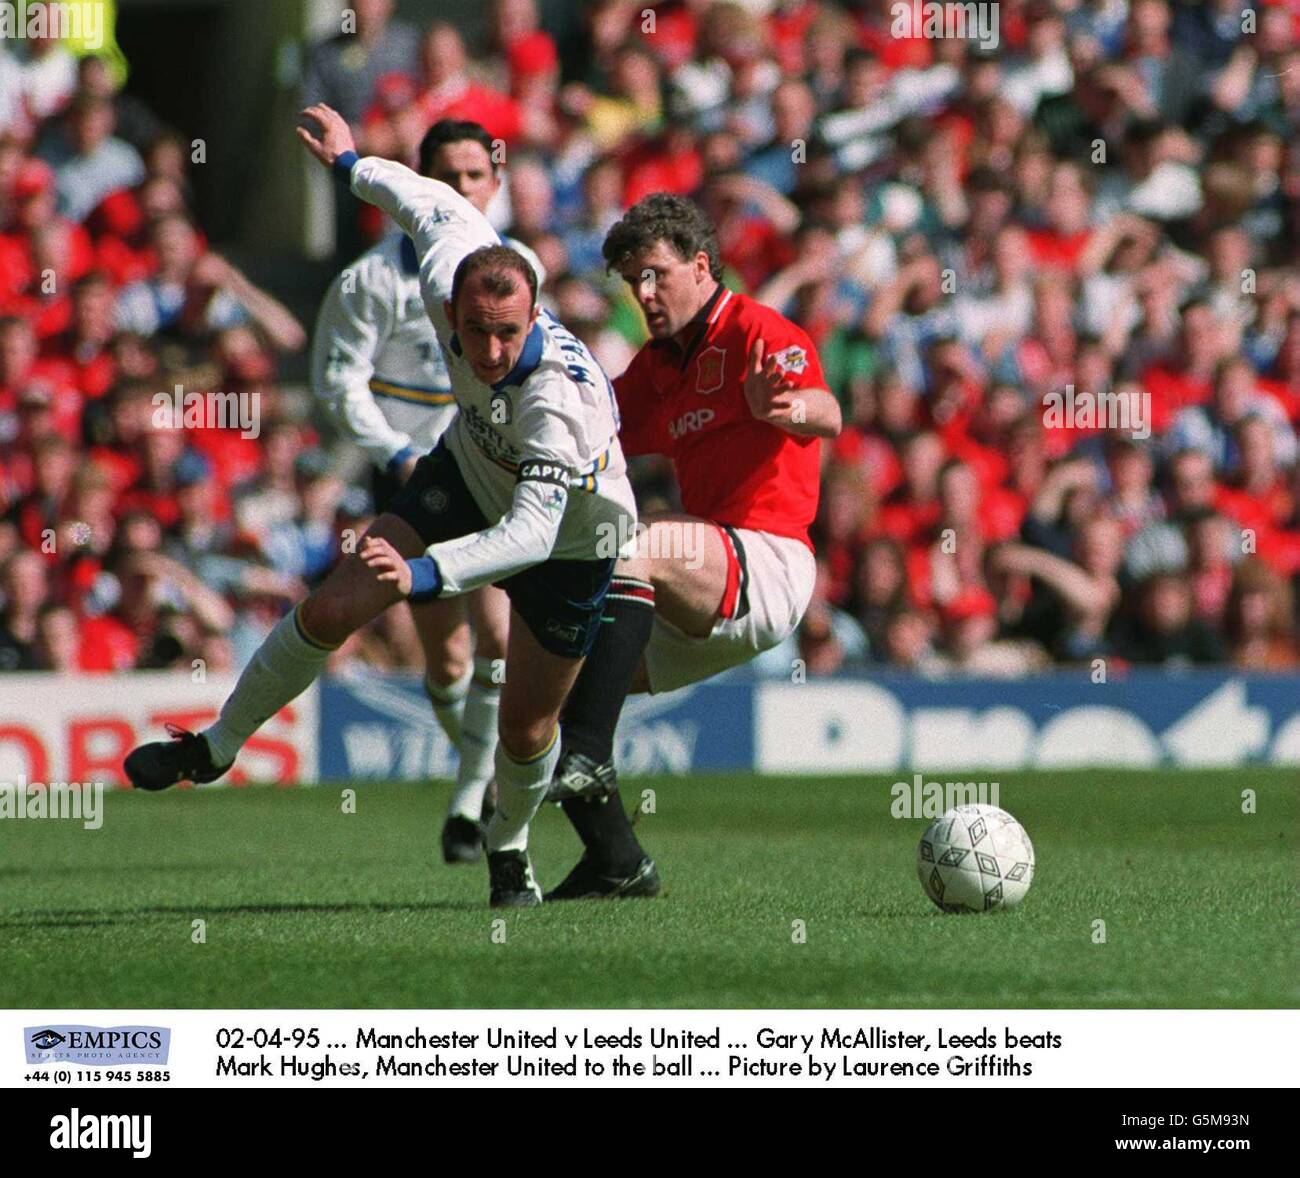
{"points": [[591, 715], [606, 832], [592, 709]]}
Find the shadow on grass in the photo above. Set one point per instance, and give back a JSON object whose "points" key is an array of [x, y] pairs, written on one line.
{"points": [[91, 917]]}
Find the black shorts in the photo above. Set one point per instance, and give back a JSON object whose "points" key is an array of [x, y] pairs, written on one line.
{"points": [[384, 488], [559, 600]]}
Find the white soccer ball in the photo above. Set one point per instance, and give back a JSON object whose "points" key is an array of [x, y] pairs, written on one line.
{"points": [[974, 858]]}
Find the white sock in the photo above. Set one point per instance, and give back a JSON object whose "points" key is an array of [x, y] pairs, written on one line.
{"points": [[478, 743], [281, 669], [520, 789], [449, 703]]}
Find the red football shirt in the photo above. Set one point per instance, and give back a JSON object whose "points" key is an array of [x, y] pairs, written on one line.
{"points": [[732, 468]]}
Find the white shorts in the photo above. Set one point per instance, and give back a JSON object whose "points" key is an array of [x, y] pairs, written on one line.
{"points": [[769, 585]]}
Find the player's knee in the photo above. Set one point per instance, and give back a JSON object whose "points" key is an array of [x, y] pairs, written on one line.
{"points": [[400, 534], [326, 619], [447, 654], [490, 641], [523, 737], [447, 663]]}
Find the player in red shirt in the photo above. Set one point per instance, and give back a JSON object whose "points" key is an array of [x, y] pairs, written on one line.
{"points": [[733, 392]]}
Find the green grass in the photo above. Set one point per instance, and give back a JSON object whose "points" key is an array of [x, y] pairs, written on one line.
{"points": [[308, 906]]}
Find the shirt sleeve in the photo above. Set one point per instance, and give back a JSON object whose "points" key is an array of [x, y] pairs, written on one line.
{"points": [[523, 537], [551, 421], [794, 352], [641, 428], [354, 321], [443, 225]]}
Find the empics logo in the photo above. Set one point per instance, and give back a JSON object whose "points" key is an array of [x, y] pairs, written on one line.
{"points": [[78, 1130], [97, 1046]]}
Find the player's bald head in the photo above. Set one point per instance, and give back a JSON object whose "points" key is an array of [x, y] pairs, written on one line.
{"points": [[493, 307], [495, 270]]}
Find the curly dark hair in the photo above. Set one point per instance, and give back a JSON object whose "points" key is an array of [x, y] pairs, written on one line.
{"points": [[674, 220]]}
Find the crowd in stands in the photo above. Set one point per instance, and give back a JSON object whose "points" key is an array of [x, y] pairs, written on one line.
{"points": [[1101, 210]]}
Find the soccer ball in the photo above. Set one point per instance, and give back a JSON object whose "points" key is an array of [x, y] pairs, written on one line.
{"points": [[974, 858]]}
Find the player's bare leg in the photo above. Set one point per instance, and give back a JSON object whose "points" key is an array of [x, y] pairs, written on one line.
{"points": [[470, 806], [285, 665], [443, 630], [464, 701], [686, 561], [537, 683]]}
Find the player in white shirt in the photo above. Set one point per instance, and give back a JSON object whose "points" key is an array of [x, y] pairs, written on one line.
{"points": [[528, 489], [379, 371]]}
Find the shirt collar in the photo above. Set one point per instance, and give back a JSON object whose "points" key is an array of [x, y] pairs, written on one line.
{"points": [[529, 358], [698, 327]]}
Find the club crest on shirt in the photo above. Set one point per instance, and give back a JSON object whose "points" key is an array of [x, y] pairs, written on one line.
{"points": [[708, 370], [792, 359]]}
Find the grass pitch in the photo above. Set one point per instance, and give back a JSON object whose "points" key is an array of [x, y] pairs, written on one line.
{"points": [[307, 906]]}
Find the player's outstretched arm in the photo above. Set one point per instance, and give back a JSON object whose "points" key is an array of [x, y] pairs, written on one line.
{"points": [[443, 225], [523, 537], [773, 397]]}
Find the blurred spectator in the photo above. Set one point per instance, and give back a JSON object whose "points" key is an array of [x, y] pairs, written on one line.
{"points": [[449, 92], [342, 71], [1074, 601], [195, 293], [133, 121], [23, 589], [57, 640], [1106, 204], [308, 545], [1212, 427], [1165, 630], [89, 162], [1259, 619]]}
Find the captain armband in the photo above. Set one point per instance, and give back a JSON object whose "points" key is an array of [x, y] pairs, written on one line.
{"points": [[537, 470]]}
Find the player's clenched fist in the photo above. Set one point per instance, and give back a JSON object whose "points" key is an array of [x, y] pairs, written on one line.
{"points": [[768, 388], [335, 134], [380, 556]]}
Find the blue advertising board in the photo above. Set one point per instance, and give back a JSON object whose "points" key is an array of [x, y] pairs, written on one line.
{"points": [[380, 727]]}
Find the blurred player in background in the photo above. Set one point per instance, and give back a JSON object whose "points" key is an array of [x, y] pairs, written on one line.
{"points": [[527, 479], [378, 369], [733, 392]]}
